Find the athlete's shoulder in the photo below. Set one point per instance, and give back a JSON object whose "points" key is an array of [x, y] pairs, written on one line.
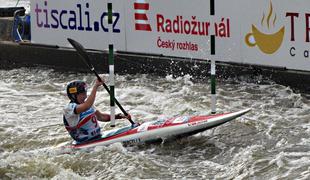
{"points": [[69, 108]]}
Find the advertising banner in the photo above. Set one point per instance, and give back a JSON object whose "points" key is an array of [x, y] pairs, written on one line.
{"points": [[178, 28], [86, 21], [261, 32], [276, 33]]}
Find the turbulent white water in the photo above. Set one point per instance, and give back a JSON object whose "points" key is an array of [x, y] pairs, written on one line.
{"points": [[271, 142]]}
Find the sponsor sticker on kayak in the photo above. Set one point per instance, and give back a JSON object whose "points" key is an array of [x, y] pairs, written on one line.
{"points": [[197, 123], [182, 119], [144, 127]]}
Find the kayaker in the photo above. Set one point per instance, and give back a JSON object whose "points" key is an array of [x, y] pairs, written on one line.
{"points": [[80, 116]]}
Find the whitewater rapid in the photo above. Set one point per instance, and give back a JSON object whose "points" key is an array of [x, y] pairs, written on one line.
{"points": [[272, 141]]}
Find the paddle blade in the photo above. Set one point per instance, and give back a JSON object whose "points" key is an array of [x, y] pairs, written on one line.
{"points": [[83, 54], [81, 51]]}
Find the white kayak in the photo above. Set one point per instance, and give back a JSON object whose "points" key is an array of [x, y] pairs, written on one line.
{"points": [[160, 129]]}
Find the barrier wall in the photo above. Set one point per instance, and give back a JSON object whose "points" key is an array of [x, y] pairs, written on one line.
{"points": [[262, 32]]}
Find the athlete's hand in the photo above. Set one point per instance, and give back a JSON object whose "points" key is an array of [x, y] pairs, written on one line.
{"points": [[98, 82], [128, 116], [122, 116]]}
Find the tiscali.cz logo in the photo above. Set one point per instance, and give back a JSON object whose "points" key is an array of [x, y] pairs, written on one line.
{"points": [[268, 43], [77, 17]]}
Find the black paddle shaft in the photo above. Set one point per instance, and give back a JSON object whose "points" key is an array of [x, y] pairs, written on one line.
{"points": [[82, 52]]}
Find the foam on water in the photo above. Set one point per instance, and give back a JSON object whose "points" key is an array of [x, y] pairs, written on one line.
{"points": [[260, 144], [270, 142]]}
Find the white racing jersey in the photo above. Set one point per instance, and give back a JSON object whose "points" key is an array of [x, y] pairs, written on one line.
{"points": [[81, 127]]}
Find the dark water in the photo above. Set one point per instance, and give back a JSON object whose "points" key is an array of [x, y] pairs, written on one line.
{"points": [[271, 142]]}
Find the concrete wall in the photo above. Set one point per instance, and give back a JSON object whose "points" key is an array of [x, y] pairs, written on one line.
{"points": [[6, 24], [13, 55]]}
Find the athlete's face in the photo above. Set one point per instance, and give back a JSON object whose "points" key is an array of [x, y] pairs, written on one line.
{"points": [[81, 97]]}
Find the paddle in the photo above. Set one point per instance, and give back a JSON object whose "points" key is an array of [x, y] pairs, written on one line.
{"points": [[82, 52]]}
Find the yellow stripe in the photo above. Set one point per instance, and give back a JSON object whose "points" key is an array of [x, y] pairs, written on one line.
{"points": [[72, 90]]}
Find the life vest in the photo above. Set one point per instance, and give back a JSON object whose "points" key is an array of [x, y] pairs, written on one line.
{"points": [[87, 127]]}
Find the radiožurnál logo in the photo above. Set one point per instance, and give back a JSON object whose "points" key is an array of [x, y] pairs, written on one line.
{"points": [[141, 19]]}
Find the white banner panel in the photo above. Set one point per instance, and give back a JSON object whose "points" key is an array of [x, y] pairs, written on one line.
{"points": [[86, 21], [228, 48]]}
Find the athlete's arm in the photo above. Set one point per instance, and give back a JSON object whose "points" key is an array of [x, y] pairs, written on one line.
{"points": [[102, 116], [106, 117], [90, 99]]}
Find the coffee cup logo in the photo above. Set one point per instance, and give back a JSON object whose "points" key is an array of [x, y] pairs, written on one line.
{"points": [[267, 43]]}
